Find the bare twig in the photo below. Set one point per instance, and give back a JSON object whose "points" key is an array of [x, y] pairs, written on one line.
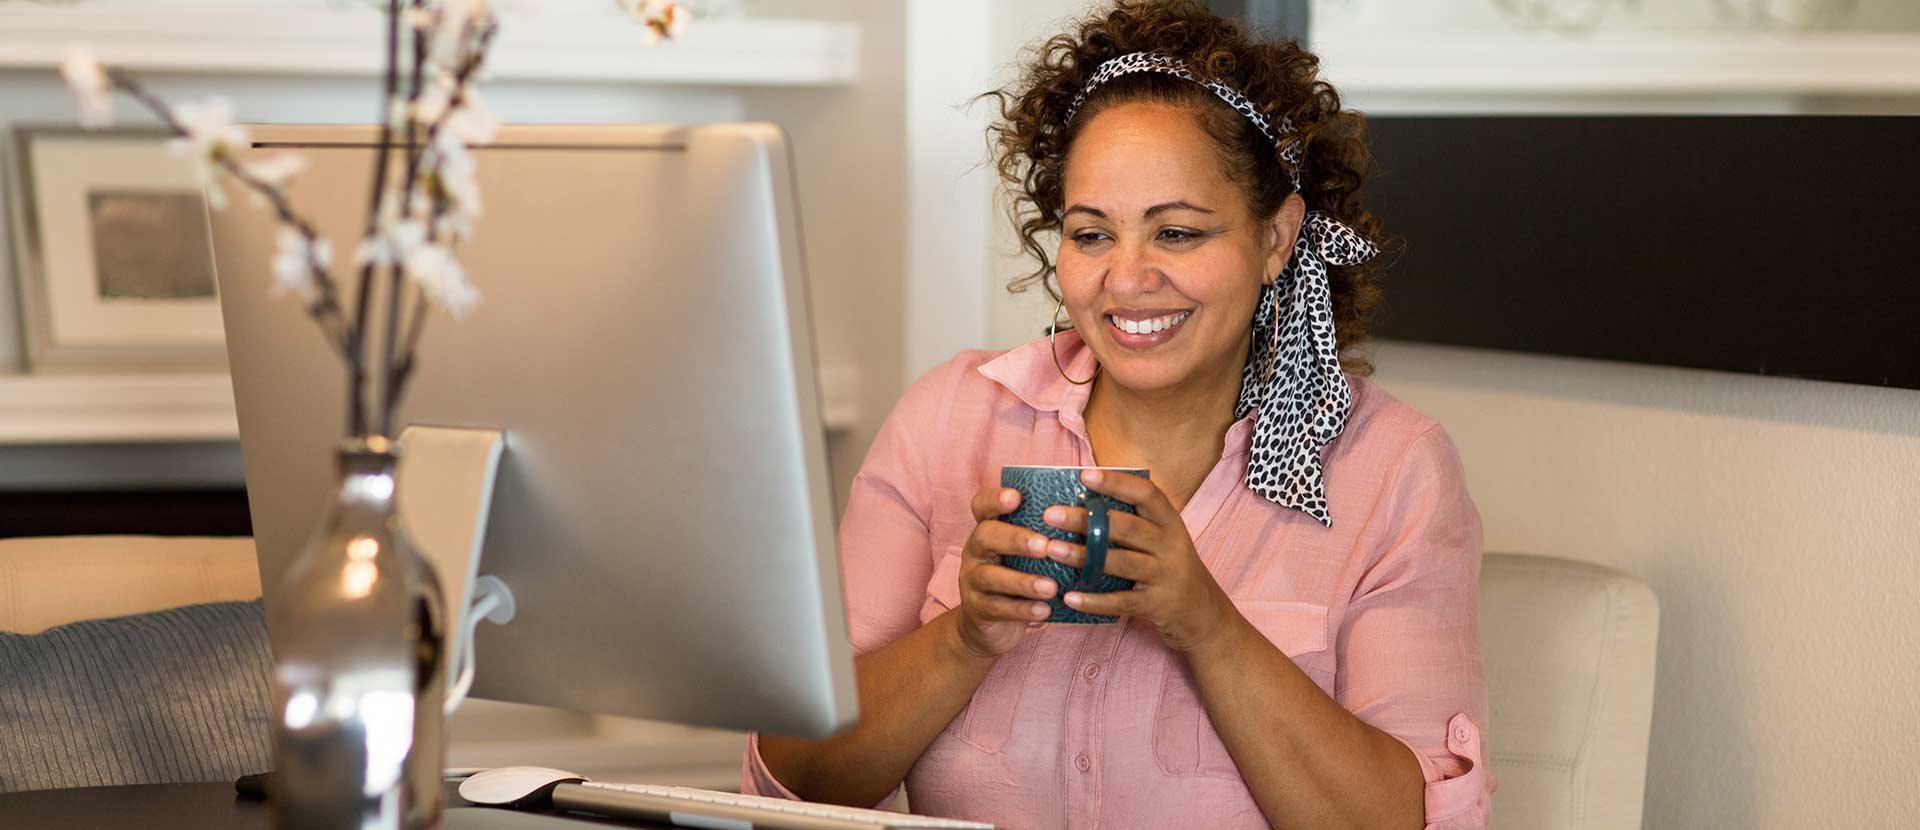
{"points": [[357, 362], [425, 160], [325, 307], [404, 362], [389, 399]]}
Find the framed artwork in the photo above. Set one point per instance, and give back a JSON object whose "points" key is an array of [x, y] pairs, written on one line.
{"points": [[113, 254]]}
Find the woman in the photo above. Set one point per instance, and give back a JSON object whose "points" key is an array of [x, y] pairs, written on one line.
{"points": [[1302, 649]]}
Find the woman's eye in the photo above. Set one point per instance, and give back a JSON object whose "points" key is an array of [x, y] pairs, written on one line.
{"points": [[1179, 235], [1085, 238]]}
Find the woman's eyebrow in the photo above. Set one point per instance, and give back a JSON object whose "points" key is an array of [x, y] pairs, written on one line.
{"points": [[1180, 205], [1159, 208]]}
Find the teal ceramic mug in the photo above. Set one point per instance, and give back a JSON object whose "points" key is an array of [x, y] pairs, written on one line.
{"points": [[1044, 487]]}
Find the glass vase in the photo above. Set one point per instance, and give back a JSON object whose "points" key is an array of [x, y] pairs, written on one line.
{"points": [[359, 664]]}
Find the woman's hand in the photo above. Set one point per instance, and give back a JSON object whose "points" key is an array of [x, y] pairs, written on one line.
{"points": [[1173, 589], [997, 602]]}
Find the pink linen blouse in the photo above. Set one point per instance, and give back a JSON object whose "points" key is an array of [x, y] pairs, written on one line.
{"points": [[1091, 726]]}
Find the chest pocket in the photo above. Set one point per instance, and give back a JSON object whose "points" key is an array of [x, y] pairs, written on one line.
{"points": [[1184, 740], [988, 719]]}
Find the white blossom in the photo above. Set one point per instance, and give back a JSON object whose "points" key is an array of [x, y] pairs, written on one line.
{"points": [[391, 244], [433, 267], [676, 18], [429, 265], [460, 12], [461, 214], [210, 134], [418, 202], [88, 81], [435, 97], [456, 29], [294, 259], [276, 170], [664, 20], [454, 169], [473, 122]]}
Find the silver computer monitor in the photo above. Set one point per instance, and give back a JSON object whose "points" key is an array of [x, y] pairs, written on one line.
{"points": [[663, 511]]}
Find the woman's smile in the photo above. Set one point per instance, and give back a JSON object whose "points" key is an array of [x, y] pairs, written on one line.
{"points": [[1142, 329]]}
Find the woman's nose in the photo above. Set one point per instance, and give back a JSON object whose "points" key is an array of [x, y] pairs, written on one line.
{"points": [[1133, 271]]}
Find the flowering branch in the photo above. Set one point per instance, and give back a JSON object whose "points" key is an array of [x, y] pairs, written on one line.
{"points": [[409, 233], [356, 363], [463, 119], [323, 304]]}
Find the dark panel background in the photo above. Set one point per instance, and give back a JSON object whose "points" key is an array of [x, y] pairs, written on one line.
{"points": [[221, 512], [1769, 245]]}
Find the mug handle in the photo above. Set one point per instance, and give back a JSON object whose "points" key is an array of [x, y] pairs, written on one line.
{"points": [[1098, 541]]}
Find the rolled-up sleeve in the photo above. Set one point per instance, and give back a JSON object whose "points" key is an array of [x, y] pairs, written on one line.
{"points": [[1410, 641], [885, 559]]}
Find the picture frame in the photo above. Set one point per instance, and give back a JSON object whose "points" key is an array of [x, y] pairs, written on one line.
{"points": [[113, 253]]}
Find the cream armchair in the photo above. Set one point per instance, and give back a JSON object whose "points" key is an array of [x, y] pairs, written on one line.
{"points": [[1570, 659]]}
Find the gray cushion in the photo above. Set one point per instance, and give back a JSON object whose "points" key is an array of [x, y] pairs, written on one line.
{"points": [[169, 696]]}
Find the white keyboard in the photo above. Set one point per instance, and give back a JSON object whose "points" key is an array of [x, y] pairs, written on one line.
{"points": [[688, 807]]}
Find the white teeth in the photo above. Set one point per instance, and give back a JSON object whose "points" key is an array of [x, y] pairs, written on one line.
{"points": [[1148, 326]]}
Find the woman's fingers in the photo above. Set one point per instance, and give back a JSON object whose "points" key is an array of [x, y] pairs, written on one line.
{"points": [[1121, 562], [991, 539], [997, 592], [994, 502], [1143, 494], [998, 579], [996, 608], [1123, 529], [1114, 603]]}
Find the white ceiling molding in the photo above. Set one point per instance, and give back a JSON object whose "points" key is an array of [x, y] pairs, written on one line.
{"points": [[1450, 61], [580, 43]]}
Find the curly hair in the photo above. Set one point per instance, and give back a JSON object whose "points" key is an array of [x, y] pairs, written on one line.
{"points": [[1032, 138]]}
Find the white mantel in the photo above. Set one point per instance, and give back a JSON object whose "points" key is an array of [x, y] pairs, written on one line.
{"points": [[566, 42]]}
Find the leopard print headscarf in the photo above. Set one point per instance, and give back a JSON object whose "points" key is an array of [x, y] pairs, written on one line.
{"points": [[1293, 377]]}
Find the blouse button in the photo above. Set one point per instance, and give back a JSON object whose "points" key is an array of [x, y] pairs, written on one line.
{"points": [[1093, 671], [1082, 762], [1462, 734]]}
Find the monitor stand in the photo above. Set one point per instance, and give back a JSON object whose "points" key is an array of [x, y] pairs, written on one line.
{"points": [[446, 477]]}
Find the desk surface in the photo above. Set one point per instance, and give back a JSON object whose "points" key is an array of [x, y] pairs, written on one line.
{"points": [[214, 807]]}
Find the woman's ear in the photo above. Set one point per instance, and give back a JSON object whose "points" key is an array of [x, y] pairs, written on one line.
{"points": [[1281, 231]]}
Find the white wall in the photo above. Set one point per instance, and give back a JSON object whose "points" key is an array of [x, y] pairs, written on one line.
{"points": [[1775, 518], [1018, 318], [850, 156]]}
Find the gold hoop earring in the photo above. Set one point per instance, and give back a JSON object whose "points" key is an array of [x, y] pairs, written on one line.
{"points": [[1053, 328]]}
